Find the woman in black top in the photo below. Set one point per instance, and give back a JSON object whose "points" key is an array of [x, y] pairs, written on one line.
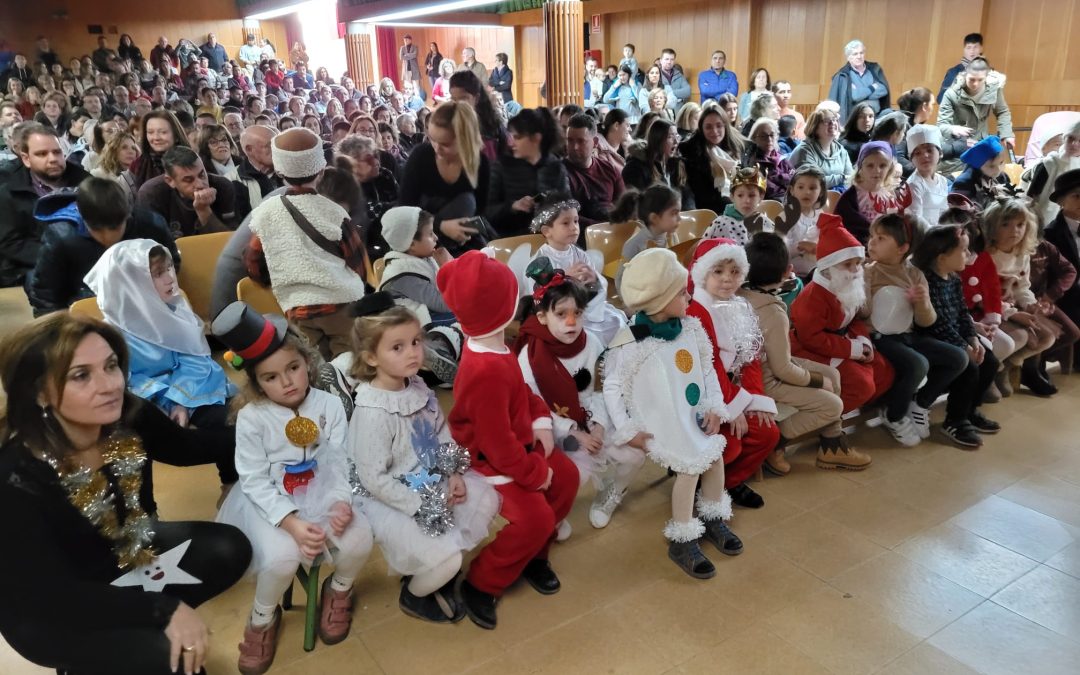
{"points": [[98, 583], [657, 161], [448, 177], [857, 130], [127, 50], [532, 170], [711, 155], [431, 64]]}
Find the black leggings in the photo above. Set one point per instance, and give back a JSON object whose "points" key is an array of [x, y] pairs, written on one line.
{"points": [[218, 556], [216, 418]]}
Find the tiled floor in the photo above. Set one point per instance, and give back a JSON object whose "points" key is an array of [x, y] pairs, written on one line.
{"points": [[934, 560]]}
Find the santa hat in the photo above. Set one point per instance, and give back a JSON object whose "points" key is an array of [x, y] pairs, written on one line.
{"points": [[399, 227], [297, 153], [835, 243], [710, 253], [481, 292], [982, 152], [651, 280], [922, 134]]}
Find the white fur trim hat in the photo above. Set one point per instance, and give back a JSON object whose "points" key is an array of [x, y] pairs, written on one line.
{"points": [[710, 253], [921, 134], [651, 280], [399, 226], [836, 244], [297, 153]]}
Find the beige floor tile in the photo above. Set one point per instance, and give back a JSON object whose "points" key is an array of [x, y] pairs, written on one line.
{"points": [[1017, 528], [748, 523], [993, 640], [755, 651], [403, 645], [878, 517], [841, 632], [914, 598], [925, 659], [761, 582], [928, 491], [350, 656], [809, 487], [982, 472], [1067, 560], [818, 545], [1046, 596], [1047, 494], [967, 559]]}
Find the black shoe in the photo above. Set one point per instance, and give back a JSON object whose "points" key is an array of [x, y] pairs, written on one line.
{"points": [[480, 606], [742, 495], [719, 535], [541, 577], [982, 424], [1031, 378], [436, 608], [962, 434], [688, 556], [447, 597]]}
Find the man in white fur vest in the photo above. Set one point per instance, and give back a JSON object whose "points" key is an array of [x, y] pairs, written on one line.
{"points": [[313, 252]]}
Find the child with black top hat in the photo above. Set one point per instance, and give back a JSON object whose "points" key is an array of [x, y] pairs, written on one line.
{"points": [[294, 501]]}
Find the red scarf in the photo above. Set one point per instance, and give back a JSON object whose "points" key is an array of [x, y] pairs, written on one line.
{"points": [[555, 382]]}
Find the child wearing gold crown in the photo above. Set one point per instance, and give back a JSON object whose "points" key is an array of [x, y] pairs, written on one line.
{"points": [[741, 219], [294, 501]]}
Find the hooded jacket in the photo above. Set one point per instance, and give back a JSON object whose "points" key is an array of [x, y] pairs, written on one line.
{"points": [[960, 108], [68, 251]]}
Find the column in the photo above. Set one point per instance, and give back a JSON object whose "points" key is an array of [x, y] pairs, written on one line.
{"points": [[358, 55], [564, 60]]}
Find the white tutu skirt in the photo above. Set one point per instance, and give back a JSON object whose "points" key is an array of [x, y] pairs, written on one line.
{"points": [[597, 467], [272, 546], [408, 550]]}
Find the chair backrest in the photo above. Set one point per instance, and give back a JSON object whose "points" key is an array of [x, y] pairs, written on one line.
{"points": [[377, 269], [771, 208], [692, 224], [834, 197], [608, 239], [505, 247], [199, 254], [259, 297], [86, 307], [684, 251], [1013, 171]]}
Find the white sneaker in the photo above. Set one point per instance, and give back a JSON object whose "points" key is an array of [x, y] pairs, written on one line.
{"points": [[920, 417], [563, 531], [604, 504], [904, 431]]}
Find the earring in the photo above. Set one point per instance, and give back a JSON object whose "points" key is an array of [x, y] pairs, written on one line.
{"points": [[44, 412]]}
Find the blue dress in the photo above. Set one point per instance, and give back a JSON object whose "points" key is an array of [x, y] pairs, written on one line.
{"points": [[167, 378]]}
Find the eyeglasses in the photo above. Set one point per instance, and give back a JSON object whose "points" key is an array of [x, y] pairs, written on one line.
{"points": [[764, 136], [218, 141]]}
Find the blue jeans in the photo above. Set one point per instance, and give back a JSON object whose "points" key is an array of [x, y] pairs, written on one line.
{"points": [[915, 356]]}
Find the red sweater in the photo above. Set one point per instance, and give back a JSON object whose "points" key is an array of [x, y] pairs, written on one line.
{"points": [[982, 290], [493, 417], [817, 326]]}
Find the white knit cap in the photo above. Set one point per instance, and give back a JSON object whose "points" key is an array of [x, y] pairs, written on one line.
{"points": [[923, 133], [297, 153], [399, 226]]}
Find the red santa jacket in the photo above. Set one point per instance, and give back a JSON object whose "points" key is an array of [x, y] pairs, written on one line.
{"points": [[818, 331], [493, 417], [751, 377], [982, 290]]}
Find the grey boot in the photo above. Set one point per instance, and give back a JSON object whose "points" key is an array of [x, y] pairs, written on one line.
{"points": [[688, 556], [720, 535]]}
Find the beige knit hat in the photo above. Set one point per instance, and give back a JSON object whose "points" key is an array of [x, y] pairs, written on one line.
{"points": [[651, 280]]}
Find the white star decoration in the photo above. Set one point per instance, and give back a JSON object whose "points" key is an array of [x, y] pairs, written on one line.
{"points": [[163, 571]]}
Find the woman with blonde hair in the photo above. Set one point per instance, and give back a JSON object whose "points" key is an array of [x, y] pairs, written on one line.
{"points": [[440, 90], [116, 160], [448, 177]]}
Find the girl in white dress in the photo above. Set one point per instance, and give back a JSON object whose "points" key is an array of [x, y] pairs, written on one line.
{"points": [[559, 360], [424, 504], [557, 220], [294, 501]]}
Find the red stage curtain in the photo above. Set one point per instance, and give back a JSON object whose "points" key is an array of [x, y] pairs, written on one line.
{"points": [[387, 48]]}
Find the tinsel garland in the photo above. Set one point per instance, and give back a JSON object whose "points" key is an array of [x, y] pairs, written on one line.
{"points": [[88, 491], [436, 515], [451, 458], [745, 336]]}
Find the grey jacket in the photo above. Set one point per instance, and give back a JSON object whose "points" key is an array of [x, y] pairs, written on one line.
{"points": [[836, 167]]}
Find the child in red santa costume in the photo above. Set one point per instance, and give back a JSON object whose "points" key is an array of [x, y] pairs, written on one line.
{"points": [[507, 430], [825, 328], [716, 273]]}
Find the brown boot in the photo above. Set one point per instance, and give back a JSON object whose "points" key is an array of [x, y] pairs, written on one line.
{"points": [[336, 614], [834, 453], [776, 463], [259, 645]]}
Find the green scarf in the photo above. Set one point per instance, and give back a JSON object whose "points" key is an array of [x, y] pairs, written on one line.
{"points": [[731, 212], [665, 330]]}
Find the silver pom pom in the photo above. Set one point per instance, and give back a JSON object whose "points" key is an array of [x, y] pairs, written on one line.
{"points": [[127, 466], [95, 510], [435, 516], [76, 480], [451, 458]]}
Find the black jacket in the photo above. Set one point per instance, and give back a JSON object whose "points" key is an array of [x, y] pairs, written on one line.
{"points": [[68, 550], [1059, 234], [699, 175], [20, 234], [68, 251], [981, 190], [512, 179], [840, 89]]}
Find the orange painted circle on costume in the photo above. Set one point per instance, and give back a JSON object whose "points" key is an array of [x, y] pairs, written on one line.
{"points": [[684, 361]]}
